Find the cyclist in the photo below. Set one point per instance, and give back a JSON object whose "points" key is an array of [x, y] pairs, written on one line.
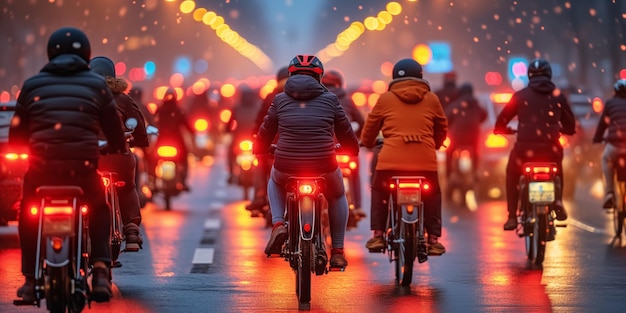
{"points": [[171, 122], [613, 119], [241, 124], [307, 118], [449, 91], [124, 165], [333, 80], [413, 126], [543, 113], [59, 115]]}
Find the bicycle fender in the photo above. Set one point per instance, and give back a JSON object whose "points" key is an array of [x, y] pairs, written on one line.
{"points": [[410, 215], [306, 205], [58, 258]]}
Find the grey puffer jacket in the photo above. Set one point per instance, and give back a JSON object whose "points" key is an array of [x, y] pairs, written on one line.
{"points": [[61, 111], [306, 117]]}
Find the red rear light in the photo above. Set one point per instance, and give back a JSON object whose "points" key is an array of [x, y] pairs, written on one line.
{"points": [[496, 141], [58, 210], [597, 105], [306, 189], [57, 243], [245, 145], [83, 209], [167, 151], [307, 227], [15, 156], [201, 125], [563, 141], [106, 182]]}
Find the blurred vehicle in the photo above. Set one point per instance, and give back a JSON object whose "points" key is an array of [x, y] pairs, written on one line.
{"points": [[247, 164], [204, 144], [587, 110], [13, 165], [349, 165], [168, 180]]}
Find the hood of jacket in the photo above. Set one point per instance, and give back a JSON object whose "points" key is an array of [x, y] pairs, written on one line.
{"points": [[410, 90], [303, 87], [117, 85], [66, 63], [541, 84]]}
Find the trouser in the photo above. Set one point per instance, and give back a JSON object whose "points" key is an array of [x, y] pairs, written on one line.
{"points": [[99, 212], [526, 152], [125, 166], [355, 185], [335, 195], [431, 198], [609, 163]]}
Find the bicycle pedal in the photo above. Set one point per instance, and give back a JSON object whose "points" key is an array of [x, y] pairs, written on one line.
{"points": [[20, 302], [116, 264], [376, 250]]}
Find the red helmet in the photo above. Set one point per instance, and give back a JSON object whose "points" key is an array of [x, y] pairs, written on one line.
{"points": [[332, 78], [306, 64]]}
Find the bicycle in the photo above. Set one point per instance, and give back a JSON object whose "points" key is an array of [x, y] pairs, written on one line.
{"points": [[110, 184], [619, 207], [405, 225]]}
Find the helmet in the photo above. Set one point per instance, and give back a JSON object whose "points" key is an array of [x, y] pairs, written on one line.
{"points": [[306, 64], [620, 85], [449, 77], [102, 66], [539, 67], [332, 78], [69, 40], [170, 94], [283, 73], [407, 68]]}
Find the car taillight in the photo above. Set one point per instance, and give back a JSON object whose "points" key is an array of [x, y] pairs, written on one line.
{"points": [[496, 141], [16, 156], [167, 151], [201, 125]]}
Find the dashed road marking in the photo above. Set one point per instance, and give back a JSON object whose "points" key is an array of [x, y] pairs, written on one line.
{"points": [[588, 228], [212, 223], [203, 256]]}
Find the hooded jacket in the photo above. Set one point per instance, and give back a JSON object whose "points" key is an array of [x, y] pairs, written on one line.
{"points": [[465, 115], [61, 112], [306, 117], [542, 112], [614, 119], [413, 126]]}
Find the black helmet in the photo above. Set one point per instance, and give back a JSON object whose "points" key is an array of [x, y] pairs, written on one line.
{"points": [[69, 40], [332, 78], [407, 68], [620, 86], [102, 66], [539, 67], [283, 73], [306, 64]]}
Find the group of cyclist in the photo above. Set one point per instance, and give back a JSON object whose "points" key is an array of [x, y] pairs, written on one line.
{"points": [[75, 100]]}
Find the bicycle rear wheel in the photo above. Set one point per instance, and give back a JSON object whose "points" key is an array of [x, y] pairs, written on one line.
{"points": [[619, 209], [304, 274], [405, 253], [542, 225]]}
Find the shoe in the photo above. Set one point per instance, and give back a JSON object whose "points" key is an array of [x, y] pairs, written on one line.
{"points": [[511, 223], [256, 205], [133, 238], [277, 239], [436, 248], [376, 243], [360, 213], [609, 201], [337, 258], [100, 285], [561, 214], [27, 291]]}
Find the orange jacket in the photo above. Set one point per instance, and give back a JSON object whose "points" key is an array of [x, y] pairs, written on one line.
{"points": [[413, 125]]}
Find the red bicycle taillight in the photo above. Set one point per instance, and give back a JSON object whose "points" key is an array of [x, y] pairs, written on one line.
{"points": [[201, 125], [245, 145], [106, 182], [167, 151], [307, 227], [15, 156], [57, 243], [306, 189], [496, 141], [58, 210]]}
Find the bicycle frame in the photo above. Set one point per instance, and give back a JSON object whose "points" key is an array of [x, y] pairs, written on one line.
{"points": [[305, 248], [538, 185], [110, 183], [405, 225], [63, 248]]}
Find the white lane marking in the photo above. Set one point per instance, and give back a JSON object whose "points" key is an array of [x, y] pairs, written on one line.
{"points": [[216, 206], [212, 223], [586, 227], [221, 193], [203, 256]]}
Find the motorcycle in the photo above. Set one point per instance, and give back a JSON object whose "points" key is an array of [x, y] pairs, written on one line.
{"points": [[348, 165], [204, 144], [246, 166], [63, 248], [462, 177], [308, 234]]}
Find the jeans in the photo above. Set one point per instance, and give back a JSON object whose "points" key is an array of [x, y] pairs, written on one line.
{"points": [[99, 213], [334, 193], [609, 160]]}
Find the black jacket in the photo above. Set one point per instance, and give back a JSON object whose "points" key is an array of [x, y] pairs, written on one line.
{"points": [[614, 119], [62, 110], [465, 115], [542, 113], [306, 117], [127, 108]]}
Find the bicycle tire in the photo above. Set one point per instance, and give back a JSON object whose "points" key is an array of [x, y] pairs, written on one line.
{"points": [[304, 273], [542, 232], [406, 252], [58, 291]]}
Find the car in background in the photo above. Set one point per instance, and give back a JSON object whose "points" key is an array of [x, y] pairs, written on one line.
{"points": [[13, 165], [587, 110]]}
